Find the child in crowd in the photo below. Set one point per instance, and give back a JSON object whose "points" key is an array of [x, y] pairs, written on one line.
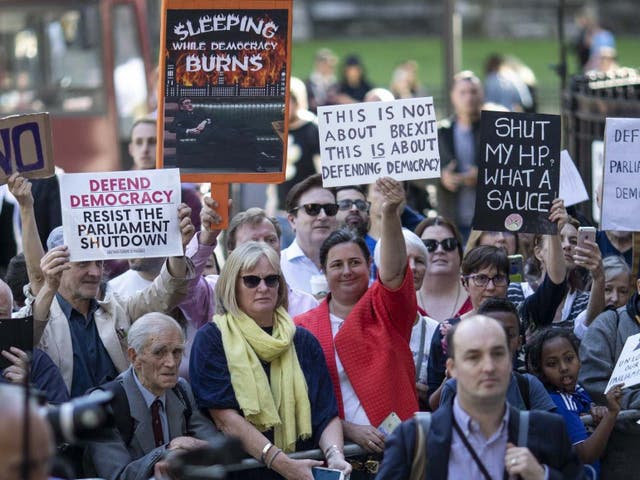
{"points": [[552, 355]]}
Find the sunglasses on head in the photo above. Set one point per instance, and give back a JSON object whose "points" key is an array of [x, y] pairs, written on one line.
{"points": [[348, 203], [448, 244], [313, 209], [252, 281]]}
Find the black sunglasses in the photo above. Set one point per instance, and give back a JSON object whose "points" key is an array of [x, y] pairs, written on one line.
{"points": [[448, 244], [348, 203], [252, 281], [313, 209]]}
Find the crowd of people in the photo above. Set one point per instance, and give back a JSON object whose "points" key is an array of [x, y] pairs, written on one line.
{"points": [[338, 315]]}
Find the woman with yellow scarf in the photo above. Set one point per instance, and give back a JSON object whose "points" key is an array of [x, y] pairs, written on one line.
{"points": [[262, 379]]}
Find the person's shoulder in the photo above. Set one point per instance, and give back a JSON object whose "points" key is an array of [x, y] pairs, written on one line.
{"points": [[304, 337]]}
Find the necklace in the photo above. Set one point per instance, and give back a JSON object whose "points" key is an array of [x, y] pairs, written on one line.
{"points": [[455, 303]]}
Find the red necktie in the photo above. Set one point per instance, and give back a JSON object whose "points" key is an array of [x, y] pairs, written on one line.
{"points": [[156, 423]]}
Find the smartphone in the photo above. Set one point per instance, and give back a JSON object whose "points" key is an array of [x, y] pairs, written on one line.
{"points": [[586, 233], [321, 473], [390, 423], [516, 268]]}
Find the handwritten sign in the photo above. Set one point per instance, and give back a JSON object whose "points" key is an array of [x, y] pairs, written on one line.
{"points": [[121, 214], [572, 189], [25, 146], [519, 172], [621, 187], [365, 141], [627, 369]]}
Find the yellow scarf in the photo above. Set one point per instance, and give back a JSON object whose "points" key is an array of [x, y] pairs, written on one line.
{"points": [[282, 404]]}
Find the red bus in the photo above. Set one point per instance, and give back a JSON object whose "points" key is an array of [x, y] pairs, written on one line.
{"points": [[88, 63]]}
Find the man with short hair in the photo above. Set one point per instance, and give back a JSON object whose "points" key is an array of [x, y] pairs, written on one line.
{"points": [[41, 443], [251, 225], [164, 415], [312, 213], [141, 273], [477, 435]]}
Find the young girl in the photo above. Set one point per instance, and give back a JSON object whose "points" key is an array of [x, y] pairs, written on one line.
{"points": [[552, 355]]}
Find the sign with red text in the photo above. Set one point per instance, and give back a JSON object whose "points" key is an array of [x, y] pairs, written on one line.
{"points": [[621, 185], [131, 214], [519, 172], [627, 369], [362, 142], [25, 146]]}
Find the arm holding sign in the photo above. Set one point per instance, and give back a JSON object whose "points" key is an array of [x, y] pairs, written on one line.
{"points": [[53, 263], [177, 266], [20, 187], [555, 263]]}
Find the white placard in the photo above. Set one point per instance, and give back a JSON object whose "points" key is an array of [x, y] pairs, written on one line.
{"points": [[627, 369], [362, 142], [572, 189], [111, 215], [621, 186]]}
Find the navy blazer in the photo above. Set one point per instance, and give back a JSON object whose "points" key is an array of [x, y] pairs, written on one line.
{"points": [[547, 440]]}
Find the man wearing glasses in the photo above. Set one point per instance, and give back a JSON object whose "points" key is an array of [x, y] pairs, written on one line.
{"points": [[312, 213]]}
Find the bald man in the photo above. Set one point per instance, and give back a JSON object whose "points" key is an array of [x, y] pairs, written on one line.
{"points": [[477, 435], [41, 444]]}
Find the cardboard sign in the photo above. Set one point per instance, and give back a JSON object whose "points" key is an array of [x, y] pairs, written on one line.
{"points": [[621, 187], [15, 332], [572, 189], [519, 172], [627, 369], [362, 142], [224, 88], [113, 215], [25, 146]]}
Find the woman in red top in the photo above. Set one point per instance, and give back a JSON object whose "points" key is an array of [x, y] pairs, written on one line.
{"points": [[364, 331]]}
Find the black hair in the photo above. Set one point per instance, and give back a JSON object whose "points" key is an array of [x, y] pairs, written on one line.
{"points": [[504, 305], [17, 277], [485, 256], [360, 188], [342, 235], [536, 344], [299, 189], [449, 340], [440, 221]]}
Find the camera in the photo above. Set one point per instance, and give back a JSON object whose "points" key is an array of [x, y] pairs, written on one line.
{"points": [[82, 418]]}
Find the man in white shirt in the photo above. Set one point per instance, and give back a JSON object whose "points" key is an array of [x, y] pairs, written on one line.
{"points": [[312, 213], [140, 275]]}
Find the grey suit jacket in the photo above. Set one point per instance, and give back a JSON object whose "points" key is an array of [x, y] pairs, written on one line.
{"points": [[112, 459]]}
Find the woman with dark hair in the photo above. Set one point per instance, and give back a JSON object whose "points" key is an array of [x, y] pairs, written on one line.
{"points": [[364, 331], [442, 295], [485, 274], [261, 379]]}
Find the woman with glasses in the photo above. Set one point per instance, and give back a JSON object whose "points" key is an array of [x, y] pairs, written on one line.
{"points": [[365, 331], [485, 274], [441, 295], [262, 379]]}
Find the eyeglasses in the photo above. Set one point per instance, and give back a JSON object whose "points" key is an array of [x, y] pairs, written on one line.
{"points": [[348, 203], [448, 244], [313, 209], [482, 280], [252, 281]]}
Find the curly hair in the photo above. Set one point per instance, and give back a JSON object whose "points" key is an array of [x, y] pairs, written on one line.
{"points": [[533, 349]]}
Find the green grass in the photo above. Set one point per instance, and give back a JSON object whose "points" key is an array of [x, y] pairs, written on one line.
{"points": [[380, 57]]}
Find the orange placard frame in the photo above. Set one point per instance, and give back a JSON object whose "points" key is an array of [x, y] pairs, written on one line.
{"points": [[219, 180]]}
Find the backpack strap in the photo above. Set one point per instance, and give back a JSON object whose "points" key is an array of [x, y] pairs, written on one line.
{"points": [[422, 421], [523, 428], [184, 398], [523, 386]]}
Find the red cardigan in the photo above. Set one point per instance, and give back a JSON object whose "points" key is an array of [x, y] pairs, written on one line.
{"points": [[373, 345]]}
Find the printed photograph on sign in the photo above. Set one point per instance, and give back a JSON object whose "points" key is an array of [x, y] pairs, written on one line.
{"points": [[225, 86], [519, 172]]}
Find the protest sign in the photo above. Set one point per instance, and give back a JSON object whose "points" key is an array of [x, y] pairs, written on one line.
{"points": [[365, 141], [597, 169], [621, 186], [15, 332], [519, 172], [121, 214], [224, 88], [627, 369], [572, 189], [25, 146]]}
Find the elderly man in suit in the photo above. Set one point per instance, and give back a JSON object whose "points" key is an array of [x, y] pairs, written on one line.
{"points": [[163, 414], [479, 435]]}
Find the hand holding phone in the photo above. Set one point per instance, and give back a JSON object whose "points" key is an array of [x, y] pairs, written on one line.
{"points": [[586, 233]]}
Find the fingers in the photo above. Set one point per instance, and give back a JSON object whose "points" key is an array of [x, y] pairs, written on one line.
{"points": [[209, 215], [55, 261]]}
